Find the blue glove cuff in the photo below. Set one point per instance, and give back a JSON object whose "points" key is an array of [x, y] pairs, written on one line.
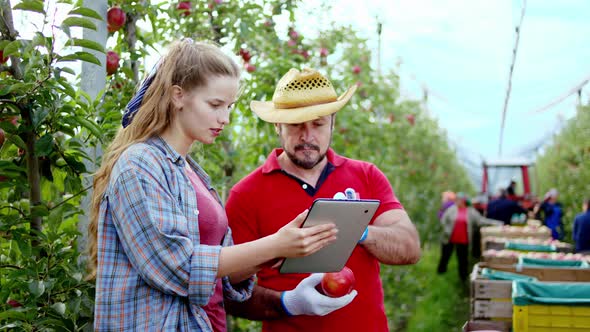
{"points": [[364, 236], [283, 305]]}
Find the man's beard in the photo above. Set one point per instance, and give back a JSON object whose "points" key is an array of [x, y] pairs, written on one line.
{"points": [[306, 162]]}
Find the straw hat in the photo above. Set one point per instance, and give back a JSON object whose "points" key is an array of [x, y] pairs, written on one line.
{"points": [[300, 97]]}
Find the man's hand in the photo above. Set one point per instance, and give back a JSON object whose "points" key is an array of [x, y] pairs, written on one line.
{"points": [[306, 300]]}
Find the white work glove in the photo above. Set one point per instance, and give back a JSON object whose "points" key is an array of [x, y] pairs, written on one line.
{"points": [[306, 300]]}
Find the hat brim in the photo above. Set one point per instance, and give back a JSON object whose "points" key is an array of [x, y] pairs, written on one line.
{"points": [[266, 109]]}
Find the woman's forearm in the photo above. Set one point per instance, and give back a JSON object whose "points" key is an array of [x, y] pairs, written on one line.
{"points": [[242, 260]]}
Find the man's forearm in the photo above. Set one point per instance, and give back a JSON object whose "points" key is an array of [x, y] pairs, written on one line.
{"points": [[265, 304], [394, 243]]}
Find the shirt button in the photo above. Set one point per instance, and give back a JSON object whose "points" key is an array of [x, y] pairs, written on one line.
{"points": [[197, 212], [304, 186]]}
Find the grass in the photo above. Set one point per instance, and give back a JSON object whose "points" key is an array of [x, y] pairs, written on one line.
{"points": [[444, 302], [418, 299]]}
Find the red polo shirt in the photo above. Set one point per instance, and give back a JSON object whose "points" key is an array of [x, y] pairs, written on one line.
{"points": [[267, 199]]}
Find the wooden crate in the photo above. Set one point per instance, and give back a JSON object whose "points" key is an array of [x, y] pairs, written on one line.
{"points": [[489, 299], [544, 273], [476, 325], [491, 309], [487, 243], [542, 233], [505, 260]]}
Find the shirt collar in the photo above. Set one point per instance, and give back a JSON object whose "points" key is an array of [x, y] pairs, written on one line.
{"points": [[272, 162], [170, 153]]}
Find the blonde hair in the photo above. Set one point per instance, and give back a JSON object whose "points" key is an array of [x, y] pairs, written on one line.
{"points": [[188, 64]]}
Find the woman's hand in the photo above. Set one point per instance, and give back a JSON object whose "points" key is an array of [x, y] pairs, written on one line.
{"points": [[293, 241]]}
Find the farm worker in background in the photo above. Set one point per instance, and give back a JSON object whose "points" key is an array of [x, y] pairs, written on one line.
{"points": [[581, 234], [160, 246], [511, 191], [503, 208], [448, 199], [303, 111], [459, 222], [552, 213]]}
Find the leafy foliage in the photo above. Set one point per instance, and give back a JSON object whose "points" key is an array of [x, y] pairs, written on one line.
{"points": [[565, 165]]}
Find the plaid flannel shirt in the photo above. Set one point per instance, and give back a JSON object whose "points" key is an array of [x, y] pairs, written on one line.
{"points": [[153, 273]]}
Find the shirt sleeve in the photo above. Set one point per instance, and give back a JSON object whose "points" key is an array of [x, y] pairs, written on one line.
{"points": [[154, 233], [238, 292], [383, 191]]}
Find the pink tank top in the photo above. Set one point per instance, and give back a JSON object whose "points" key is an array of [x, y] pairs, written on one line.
{"points": [[212, 228]]}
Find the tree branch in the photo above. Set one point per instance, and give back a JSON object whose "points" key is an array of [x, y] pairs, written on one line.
{"points": [[8, 32]]}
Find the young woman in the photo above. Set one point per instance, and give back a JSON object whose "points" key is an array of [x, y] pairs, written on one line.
{"points": [[160, 248]]}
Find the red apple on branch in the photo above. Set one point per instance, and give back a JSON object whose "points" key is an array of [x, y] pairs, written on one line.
{"points": [[356, 70], [112, 62], [2, 58], [184, 7], [323, 52], [245, 54], [337, 284], [411, 119], [14, 303], [2, 136], [250, 68], [115, 18]]}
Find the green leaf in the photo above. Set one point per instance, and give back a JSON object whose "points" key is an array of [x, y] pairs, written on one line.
{"points": [[39, 116], [67, 70], [16, 140], [92, 127], [87, 44], [68, 89], [21, 88], [12, 48], [39, 211], [31, 5], [12, 315], [84, 56], [83, 11], [44, 146], [73, 21], [38, 39]]}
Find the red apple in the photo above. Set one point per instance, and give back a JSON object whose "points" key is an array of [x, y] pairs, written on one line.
{"points": [[115, 18], [337, 284], [2, 137], [250, 68], [356, 70], [323, 51], [304, 54], [184, 7], [292, 43], [411, 119], [2, 58], [293, 34], [112, 62], [245, 54], [14, 303]]}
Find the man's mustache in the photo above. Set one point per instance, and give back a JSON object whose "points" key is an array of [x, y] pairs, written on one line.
{"points": [[307, 146]]}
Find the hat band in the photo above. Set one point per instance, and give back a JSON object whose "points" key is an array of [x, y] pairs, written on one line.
{"points": [[280, 105]]}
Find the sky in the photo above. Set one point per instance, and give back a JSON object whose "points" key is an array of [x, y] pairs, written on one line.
{"points": [[460, 51]]}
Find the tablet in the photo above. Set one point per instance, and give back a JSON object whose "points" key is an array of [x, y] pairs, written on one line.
{"points": [[351, 217]]}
